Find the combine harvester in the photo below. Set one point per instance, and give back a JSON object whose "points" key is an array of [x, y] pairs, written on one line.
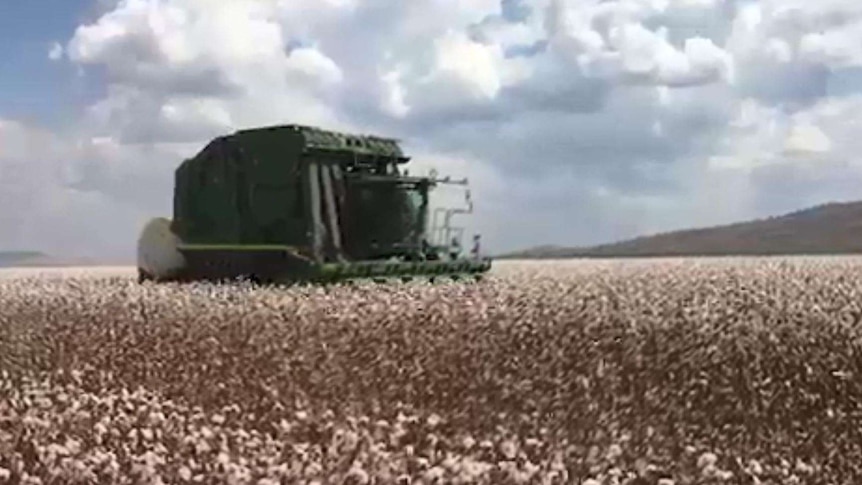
{"points": [[297, 204]]}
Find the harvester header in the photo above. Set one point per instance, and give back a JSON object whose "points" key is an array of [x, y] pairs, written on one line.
{"points": [[297, 203]]}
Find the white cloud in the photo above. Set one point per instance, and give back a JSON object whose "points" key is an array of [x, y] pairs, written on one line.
{"points": [[806, 140], [580, 121], [186, 70], [40, 210], [462, 72], [827, 33], [610, 39], [763, 135], [776, 162], [56, 52], [473, 64]]}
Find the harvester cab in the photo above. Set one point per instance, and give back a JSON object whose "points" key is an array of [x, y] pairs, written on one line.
{"points": [[300, 204]]}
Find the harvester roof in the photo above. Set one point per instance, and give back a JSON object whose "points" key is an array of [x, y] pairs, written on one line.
{"points": [[327, 140]]}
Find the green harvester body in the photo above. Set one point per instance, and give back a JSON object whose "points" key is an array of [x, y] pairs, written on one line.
{"points": [[294, 203]]}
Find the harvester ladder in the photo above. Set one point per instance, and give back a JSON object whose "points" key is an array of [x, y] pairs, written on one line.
{"points": [[442, 235]]}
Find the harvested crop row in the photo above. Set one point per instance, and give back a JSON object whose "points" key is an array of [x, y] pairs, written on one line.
{"points": [[699, 370]]}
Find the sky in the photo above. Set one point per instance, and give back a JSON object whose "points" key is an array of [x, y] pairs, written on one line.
{"points": [[577, 122]]}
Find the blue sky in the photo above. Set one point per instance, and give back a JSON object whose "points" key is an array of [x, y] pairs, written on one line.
{"points": [[32, 87]]}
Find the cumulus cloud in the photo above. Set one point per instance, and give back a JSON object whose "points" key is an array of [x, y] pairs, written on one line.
{"points": [[610, 39], [56, 52], [806, 139], [577, 121]]}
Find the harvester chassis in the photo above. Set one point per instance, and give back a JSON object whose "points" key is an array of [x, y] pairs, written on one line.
{"points": [[285, 266]]}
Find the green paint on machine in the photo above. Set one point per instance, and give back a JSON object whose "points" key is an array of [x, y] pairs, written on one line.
{"points": [[294, 203]]}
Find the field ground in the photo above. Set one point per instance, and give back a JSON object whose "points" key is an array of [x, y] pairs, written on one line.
{"points": [[727, 370]]}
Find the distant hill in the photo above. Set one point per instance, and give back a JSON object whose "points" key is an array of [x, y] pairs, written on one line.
{"points": [[14, 258], [24, 259], [834, 228]]}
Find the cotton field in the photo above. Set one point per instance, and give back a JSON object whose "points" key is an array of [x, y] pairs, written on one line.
{"points": [[676, 371]]}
